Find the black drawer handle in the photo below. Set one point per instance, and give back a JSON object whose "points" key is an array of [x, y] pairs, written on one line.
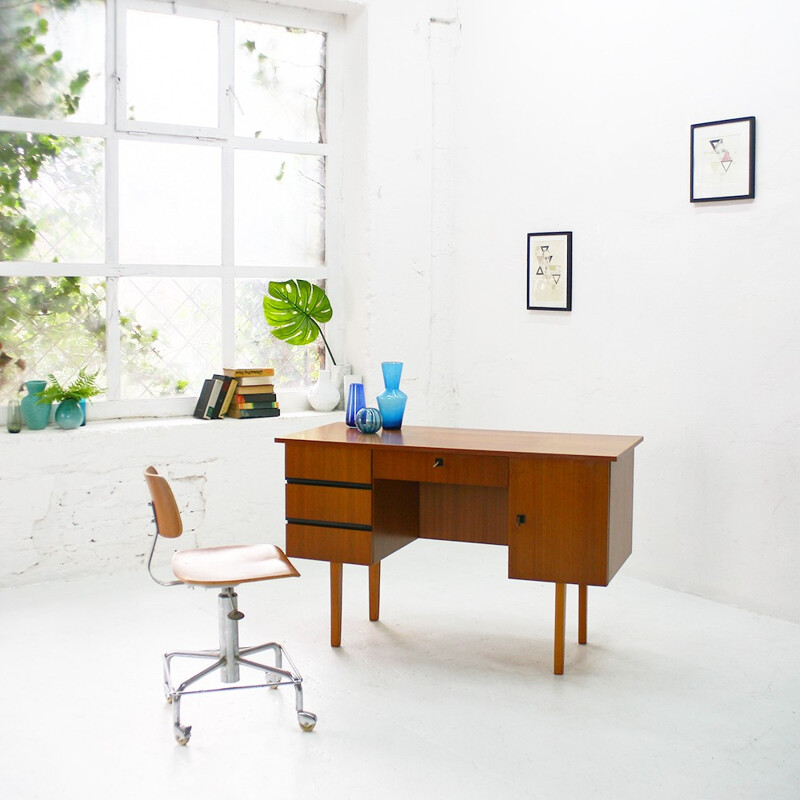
{"points": [[438, 462]]}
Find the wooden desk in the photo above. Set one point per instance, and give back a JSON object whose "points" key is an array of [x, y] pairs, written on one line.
{"points": [[561, 503]]}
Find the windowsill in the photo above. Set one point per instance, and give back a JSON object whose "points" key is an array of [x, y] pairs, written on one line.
{"points": [[155, 423]]}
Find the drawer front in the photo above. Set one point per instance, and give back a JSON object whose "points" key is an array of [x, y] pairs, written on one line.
{"points": [[328, 504], [329, 462], [340, 545], [431, 466]]}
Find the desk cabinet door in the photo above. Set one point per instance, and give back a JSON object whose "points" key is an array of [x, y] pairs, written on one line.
{"points": [[558, 520]]}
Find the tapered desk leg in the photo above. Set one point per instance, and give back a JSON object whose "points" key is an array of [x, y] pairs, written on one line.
{"points": [[558, 648], [374, 591], [336, 604], [583, 600]]}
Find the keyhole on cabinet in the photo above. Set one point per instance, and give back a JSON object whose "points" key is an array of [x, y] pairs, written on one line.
{"points": [[438, 462], [520, 519]]}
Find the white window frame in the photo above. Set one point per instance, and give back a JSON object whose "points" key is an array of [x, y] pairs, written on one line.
{"points": [[118, 128]]}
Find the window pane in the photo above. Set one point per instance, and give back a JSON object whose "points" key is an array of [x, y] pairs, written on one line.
{"points": [[295, 367], [170, 335], [280, 82], [280, 209], [51, 198], [169, 205], [52, 57], [172, 69], [49, 325]]}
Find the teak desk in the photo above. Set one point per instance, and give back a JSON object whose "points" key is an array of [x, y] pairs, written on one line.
{"points": [[561, 503]]}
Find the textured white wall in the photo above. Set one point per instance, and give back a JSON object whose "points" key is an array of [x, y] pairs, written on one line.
{"points": [[575, 116], [75, 502]]}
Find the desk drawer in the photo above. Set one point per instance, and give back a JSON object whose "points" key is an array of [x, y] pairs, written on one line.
{"points": [[328, 504], [329, 462], [339, 545], [432, 466]]}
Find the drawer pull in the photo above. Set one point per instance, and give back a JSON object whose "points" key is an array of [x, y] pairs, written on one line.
{"points": [[521, 520], [438, 462]]}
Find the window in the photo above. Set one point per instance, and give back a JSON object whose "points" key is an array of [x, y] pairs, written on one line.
{"points": [[160, 163]]}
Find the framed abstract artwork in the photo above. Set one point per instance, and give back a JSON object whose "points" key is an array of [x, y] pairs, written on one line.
{"points": [[550, 271], [723, 158]]}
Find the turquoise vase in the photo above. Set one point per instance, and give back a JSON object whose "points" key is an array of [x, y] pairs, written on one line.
{"points": [[69, 415], [392, 400], [35, 414]]}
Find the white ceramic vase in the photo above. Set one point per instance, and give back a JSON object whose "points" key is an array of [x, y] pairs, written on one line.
{"points": [[324, 396]]}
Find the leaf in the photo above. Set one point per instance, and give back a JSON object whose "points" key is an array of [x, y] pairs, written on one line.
{"points": [[295, 310]]}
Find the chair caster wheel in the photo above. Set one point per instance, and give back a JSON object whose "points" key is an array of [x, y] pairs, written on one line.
{"points": [[307, 720], [182, 735]]}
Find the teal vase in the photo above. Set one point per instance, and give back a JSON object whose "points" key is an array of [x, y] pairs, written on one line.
{"points": [[69, 415], [392, 400], [35, 414]]}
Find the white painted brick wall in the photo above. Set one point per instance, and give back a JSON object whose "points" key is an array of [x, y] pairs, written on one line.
{"points": [[74, 503]]}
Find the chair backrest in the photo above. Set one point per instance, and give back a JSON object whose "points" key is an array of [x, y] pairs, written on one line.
{"points": [[165, 509]]}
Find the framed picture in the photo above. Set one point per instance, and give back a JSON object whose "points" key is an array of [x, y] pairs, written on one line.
{"points": [[723, 160], [550, 271]]}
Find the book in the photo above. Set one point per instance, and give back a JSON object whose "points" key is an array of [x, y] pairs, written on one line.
{"points": [[255, 380], [252, 413], [248, 406], [260, 388], [226, 393], [248, 372], [202, 401], [262, 397], [208, 398]]}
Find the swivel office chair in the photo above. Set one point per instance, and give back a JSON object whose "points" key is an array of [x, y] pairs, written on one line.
{"points": [[223, 568]]}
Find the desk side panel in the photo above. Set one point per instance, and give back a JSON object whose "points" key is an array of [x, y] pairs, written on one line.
{"points": [[395, 516], [565, 505], [620, 522]]}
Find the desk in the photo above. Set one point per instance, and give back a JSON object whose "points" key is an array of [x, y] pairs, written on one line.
{"points": [[561, 503]]}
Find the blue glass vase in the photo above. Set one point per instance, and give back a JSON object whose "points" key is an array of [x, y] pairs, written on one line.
{"points": [[355, 402], [35, 414], [69, 415], [392, 400]]}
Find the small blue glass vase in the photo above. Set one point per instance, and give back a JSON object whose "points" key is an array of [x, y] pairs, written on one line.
{"points": [[368, 420], [69, 415], [355, 402], [392, 400]]}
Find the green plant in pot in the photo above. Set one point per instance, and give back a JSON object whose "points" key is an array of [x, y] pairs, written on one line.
{"points": [[295, 310], [70, 413]]}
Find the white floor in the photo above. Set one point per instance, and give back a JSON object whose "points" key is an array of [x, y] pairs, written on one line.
{"points": [[450, 695]]}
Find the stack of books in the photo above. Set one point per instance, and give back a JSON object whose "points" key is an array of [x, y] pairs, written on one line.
{"points": [[254, 395], [240, 393]]}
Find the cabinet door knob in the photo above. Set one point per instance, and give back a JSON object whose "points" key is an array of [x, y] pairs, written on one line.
{"points": [[521, 519], [438, 462]]}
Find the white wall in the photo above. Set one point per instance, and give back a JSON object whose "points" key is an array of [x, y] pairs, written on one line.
{"points": [[575, 116], [559, 116]]}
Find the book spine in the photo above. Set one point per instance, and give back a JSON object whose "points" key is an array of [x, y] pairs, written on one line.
{"points": [[248, 406], [253, 413], [202, 401], [244, 373], [262, 397]]}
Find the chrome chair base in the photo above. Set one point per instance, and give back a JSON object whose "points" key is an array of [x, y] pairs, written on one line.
{"points": [[227, 661]]}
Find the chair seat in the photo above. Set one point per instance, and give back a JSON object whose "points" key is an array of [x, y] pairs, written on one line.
{"points": [[231, 565]]}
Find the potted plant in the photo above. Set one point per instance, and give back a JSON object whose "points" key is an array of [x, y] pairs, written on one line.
{"points": [[295, 310], [70, 413]]}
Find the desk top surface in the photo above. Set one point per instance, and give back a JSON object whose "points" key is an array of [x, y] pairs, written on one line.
{"points": [[469, 440]]}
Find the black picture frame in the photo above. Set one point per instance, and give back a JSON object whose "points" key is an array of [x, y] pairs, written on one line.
{"points": [[723, 160], [550, 271]]}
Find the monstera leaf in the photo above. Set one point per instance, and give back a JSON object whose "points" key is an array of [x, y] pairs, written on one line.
{"points": [[295, 310]]}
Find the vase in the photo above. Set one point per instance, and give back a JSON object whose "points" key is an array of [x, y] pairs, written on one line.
{"points": [[392, 400], [13, 417], [35, 414], [355, 402], [368, 420], [324, 396], [69, 415], [340, 377]]}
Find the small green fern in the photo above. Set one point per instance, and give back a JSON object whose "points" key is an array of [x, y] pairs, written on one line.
{"points": [[82, 388]]}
